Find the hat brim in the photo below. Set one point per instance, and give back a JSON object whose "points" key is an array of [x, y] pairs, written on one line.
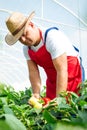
{"points": [[12, 39]]}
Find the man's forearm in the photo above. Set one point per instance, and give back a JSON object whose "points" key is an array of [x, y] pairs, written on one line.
{"points": [[61, 82], [36, 85], [34, 77]]}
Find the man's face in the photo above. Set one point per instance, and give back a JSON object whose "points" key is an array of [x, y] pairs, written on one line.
{"points": [[29, 36]]}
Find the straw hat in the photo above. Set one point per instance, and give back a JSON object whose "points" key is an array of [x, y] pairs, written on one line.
{"points": [[16, 24]]}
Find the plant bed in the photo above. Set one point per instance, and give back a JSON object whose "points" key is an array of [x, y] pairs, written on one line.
{"points": [[67, 112]]}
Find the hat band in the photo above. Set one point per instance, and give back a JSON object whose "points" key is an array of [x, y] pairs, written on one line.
{"points": [[17, 30]]}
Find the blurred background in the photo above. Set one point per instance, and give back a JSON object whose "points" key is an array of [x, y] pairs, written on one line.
{"points": [[69, 16]]}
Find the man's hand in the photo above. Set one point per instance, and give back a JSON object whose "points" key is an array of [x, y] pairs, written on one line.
{"points": [[35, 102], [36, 95]]}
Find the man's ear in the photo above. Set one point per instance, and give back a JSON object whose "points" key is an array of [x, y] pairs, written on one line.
{"points": [[27, 24], [31, 24]]}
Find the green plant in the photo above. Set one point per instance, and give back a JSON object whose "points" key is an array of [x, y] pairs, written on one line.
{"points": [[69, 111]]}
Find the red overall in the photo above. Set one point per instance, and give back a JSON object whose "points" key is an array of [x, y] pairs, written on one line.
{"points": [[43, 58]]}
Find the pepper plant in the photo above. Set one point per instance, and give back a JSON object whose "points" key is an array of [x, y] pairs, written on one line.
{"points": [[68, 112]]}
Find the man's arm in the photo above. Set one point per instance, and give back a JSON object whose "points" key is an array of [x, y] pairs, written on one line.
{"points": [[34, 77], [60, 64]]}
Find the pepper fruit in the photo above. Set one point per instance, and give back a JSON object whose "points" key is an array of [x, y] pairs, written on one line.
{"points": [[32, 100], [35, 102], [46, 101], [38, 105]]}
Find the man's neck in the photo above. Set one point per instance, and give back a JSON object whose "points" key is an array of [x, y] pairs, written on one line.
{"points": [[39, 38]]}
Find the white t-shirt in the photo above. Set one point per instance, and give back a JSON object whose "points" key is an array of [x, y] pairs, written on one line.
{"points": [[56, 44]]}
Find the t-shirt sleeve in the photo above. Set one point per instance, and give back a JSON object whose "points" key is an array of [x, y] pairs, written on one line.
{"points": [[25, 51], [55, 43]]}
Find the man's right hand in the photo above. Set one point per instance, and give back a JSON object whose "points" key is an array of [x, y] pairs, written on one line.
{"points": [[36, 95], [35, 102]]}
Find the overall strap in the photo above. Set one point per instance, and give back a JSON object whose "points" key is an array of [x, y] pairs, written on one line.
{"points": [[48, 31], [76, 48], [56, 29], [83, 70]]}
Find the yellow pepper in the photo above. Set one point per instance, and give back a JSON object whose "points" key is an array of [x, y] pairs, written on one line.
{"points": [[35, 102]]}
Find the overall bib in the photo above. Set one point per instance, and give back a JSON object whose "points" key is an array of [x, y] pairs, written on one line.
{"points": [[43, 58]]}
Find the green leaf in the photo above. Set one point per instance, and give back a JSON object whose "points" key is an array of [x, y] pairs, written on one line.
{"points": [[61, 100], [4, 100], [83, 116], [11, 123], [49, 117], [7, 110], [65, 126], [81, 120]]}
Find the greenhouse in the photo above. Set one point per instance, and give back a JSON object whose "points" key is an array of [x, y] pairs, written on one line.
{"points": [[15, 89]]}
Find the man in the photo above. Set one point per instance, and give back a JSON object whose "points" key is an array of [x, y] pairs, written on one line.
{"points": [[49, 49]]}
